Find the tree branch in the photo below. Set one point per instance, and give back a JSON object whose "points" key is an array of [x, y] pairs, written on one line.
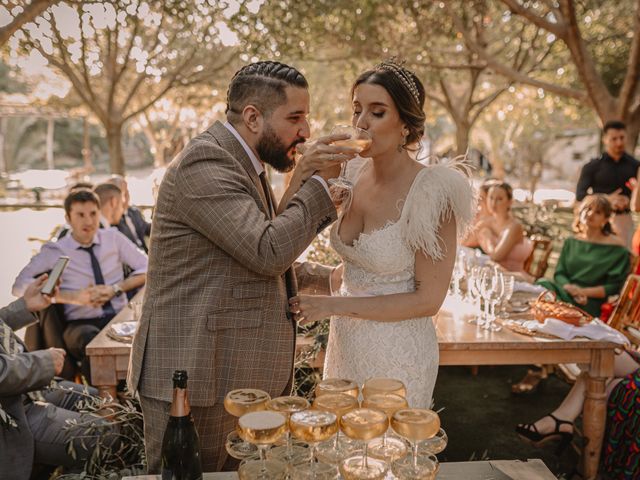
{"points": [[558, 29], [29, 13], [633, 69]]}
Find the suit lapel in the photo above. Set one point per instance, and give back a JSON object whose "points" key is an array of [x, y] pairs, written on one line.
{"points": [[231, 144]]}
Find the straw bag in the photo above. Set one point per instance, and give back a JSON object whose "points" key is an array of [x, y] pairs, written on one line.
{"points": [[546, 306]]}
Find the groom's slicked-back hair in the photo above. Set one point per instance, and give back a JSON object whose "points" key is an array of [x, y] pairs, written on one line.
{"points": [[261, 84]]}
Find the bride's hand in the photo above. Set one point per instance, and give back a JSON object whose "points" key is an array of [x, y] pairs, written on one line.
{"points": [[310, 308], [322, 157]]}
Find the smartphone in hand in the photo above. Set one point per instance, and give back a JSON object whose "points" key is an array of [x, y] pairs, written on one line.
{"points": [[50, 285]]}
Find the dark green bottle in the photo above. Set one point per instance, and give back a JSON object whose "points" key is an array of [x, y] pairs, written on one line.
{"points": [[180, 444]]}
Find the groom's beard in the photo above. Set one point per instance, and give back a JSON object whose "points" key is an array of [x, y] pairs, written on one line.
{"points": [[275, 153]]}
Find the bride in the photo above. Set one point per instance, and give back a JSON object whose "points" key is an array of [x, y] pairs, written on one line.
{"points": [[397, 240]]}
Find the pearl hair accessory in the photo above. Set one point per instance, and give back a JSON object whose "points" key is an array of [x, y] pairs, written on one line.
{"points": [[403, 75]]}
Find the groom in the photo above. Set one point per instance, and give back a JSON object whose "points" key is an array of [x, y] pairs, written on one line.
{"points": [[219, 276]]}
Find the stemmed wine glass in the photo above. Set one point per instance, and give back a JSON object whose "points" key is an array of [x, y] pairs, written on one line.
{"points": [[237, 403], [416, 425], [288, 453], [364, 424], [262, 429], [473, 290], [313, 427], [388, 448], [358, 138], [509, 284], [492, 289], [337, 449]]}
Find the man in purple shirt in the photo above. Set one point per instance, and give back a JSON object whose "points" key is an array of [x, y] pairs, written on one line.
{"points": [[92, 285]]}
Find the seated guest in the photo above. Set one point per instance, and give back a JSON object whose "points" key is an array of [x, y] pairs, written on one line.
{"points": [[620, 450], [500, 235], [93, 284], [35, 429], [594, 263], [482, 212], [132, 224], [111, 204], [61, 230]]}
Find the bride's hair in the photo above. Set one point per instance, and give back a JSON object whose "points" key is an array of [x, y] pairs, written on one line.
{"points": [[406, 90]]}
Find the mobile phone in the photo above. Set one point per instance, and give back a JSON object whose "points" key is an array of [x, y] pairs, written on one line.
{"points": [[54, 276]]}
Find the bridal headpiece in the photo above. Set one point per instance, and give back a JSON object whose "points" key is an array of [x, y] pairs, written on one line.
{"points": [[403, 75]]}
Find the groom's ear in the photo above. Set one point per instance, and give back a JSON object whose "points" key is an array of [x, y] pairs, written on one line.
{"points": [[252, 118]]}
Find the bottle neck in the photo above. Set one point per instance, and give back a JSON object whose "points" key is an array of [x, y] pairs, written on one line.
{"points": [[180, 405]]}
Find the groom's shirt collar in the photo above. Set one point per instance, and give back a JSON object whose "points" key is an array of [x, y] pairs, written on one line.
{"points": [[257, 164]]}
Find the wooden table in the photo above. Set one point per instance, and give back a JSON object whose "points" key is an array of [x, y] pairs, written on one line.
{"points": [[485, 470], [461, 343]]}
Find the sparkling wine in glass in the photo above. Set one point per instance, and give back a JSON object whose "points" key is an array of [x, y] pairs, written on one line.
{"points": [[383, 385], [337, 385], [434, 445], [340, 447], [288, 453], [313, 427], [388, 448], [262, 429], [416, 425], [364, 424], [237, 403], [358, 138]]}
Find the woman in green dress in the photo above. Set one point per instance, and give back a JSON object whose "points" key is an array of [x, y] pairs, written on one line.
{"points": [[594, 263]]}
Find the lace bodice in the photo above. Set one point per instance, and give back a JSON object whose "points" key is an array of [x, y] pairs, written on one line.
{"points": [[381, 262]]}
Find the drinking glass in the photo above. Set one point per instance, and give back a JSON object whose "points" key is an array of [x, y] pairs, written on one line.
{"points": [[358, 138], [237, 403], [416, 425], [364, 424], [383, 385], [473, 292], [509, 284], [313, 427], [496, 291], [262, 428], [434, 445], [335, 450], [288, 453], [337, 385], [388, 448]]}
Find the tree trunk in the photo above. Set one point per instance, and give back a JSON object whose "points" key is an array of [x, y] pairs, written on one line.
{"points": [[633, 132], [463, 130], [114, 140]]}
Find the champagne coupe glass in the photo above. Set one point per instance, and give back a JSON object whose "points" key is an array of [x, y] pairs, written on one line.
{"points": [[335, 450], [358, 138], [387, 448], [434, 445], [237, 403], [262, 428], [364, 424], [288, 453], [416, 425], [337, 385], [313, 427], [383, 385], [509, 284]]}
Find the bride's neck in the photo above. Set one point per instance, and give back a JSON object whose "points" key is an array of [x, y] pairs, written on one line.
{"points": [[387, 167]]}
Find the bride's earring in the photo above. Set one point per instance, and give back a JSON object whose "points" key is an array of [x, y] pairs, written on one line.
{"points": [[404, 141]]}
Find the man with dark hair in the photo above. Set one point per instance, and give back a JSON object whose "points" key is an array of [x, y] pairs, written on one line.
{"points": [[220, 268], [92, 285], [132, 224], [611, 174], [111, 204]]}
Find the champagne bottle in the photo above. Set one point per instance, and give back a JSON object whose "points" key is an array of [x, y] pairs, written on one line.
{"points": [[180, 444]]}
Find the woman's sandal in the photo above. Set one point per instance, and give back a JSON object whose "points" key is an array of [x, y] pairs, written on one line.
{"points": [[529, 384], [529, 433]]}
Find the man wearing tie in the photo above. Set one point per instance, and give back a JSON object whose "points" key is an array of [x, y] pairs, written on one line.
{"points": [[220, 263], [92, 284]]}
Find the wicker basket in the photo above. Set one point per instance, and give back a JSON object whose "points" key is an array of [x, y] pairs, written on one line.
{"points": [[546, 306]]}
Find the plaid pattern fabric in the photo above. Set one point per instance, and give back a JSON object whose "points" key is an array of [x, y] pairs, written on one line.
{"points": [[215, 300], [10, 344]]}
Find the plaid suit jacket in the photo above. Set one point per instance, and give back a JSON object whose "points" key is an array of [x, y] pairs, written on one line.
{"points": [[215, 301]]}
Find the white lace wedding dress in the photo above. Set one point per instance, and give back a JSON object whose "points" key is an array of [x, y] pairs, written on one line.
{"points": [[382, 263]]}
